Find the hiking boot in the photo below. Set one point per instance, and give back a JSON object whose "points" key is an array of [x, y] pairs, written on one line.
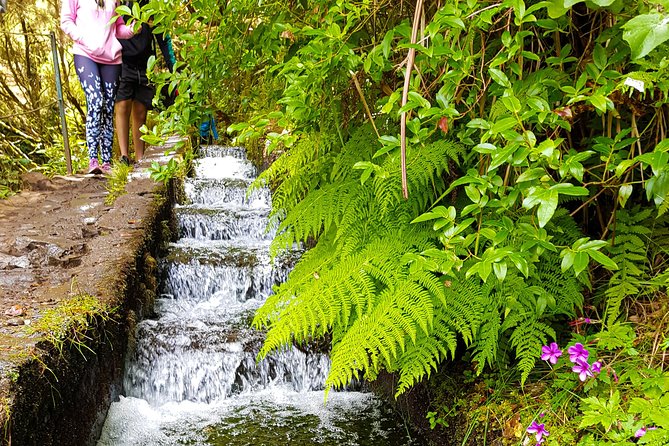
{"points": [[94, 167], [125, 160], [106, 168]]}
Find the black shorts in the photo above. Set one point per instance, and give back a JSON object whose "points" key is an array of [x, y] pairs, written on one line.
{"points": [[134, 84]]}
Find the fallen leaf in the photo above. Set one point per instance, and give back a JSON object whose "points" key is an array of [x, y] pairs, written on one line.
{"points": [[443, 124]]}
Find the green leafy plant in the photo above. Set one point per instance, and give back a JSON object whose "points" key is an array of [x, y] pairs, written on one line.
{"points": [[163, 173], [116, 182], [516, 132], [69, 323]]}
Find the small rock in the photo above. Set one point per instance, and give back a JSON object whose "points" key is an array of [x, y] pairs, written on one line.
{"points": [[10, 262], [14, 322], [14, 310], [26, 322]]}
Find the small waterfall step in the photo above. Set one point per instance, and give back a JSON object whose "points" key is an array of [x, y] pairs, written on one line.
{"points": [[225, 167], [218, 192], [191, 361], [222, 223], [216, 151], [192, 376], [197, 281]]}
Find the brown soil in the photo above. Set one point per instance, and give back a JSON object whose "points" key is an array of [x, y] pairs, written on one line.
{"points": [[51, 246]]}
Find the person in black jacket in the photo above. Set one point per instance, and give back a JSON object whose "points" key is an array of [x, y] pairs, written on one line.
{"points": [[135, 93]]}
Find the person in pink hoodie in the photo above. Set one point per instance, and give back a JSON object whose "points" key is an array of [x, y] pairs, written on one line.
{"points": [[97, 59]]}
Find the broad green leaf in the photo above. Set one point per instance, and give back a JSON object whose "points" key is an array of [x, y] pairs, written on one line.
{"points": [[531, 174], [499, 77], [646, 32], [503, 125], [599, 101], [567, 260], [500, 270], [478, 123], [581, 260], [547, 207], [511, 103], [624, 193], [602, 260], [599, 56], [387, 41], [602, 3], [416, 97], [556, 8], [571, 190]]}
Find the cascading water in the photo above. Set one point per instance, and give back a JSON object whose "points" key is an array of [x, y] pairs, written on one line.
{"points": [[193, 378]]}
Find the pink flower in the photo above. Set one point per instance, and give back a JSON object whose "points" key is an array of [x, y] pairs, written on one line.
{"points": [[583, 370], [577, 353], [539, 430], [642, 431], [551, 353], [596, 367]]}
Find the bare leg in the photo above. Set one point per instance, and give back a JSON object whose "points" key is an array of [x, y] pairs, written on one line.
{"points": [[138, 120], [123, 109]]}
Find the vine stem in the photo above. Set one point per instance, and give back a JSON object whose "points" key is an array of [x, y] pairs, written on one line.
{"points": [[354, 76], [405, 96]]}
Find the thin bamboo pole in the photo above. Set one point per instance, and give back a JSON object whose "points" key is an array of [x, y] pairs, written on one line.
{"points": [[61, 105], [405, 95]]}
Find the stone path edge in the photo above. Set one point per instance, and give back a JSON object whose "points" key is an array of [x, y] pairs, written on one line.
{"points": [[52, 397]]}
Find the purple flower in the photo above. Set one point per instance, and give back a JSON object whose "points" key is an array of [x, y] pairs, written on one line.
{"points": [[539, 430], [551, 353], [583, 370], [587, 320], [577, 353], [596, 367]]}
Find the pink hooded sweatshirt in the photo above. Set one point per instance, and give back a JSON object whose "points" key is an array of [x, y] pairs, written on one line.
{"points": [[88, 25]]}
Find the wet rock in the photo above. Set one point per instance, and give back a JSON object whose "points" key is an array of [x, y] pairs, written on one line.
{"points": [[9, 262], [51, 251], [89, 231]]}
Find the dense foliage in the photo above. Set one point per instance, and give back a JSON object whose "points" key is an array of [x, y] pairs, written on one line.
{"points": [[530, 130], [532, 137]]}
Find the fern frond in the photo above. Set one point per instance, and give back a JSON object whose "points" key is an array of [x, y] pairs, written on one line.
{"points": [[425, 165], [425, 355], [527, 339], [462, 305], [316, 213], [487, 339], [630, 253], [383, 333]]}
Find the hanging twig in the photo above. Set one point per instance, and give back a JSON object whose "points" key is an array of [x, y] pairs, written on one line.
{"points": [[364, 102], [405, 97]]}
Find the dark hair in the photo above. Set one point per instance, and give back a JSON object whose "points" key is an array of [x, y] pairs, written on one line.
{"points": [[101, 3]]}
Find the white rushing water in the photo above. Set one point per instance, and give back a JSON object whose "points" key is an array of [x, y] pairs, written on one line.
{"points": [[192, 378]]}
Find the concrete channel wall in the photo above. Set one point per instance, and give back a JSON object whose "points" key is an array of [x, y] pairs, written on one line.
{"points": [[60, 397]]}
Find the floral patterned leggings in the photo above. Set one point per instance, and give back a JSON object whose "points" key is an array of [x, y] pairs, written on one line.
{"points": [[100, 83]]}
